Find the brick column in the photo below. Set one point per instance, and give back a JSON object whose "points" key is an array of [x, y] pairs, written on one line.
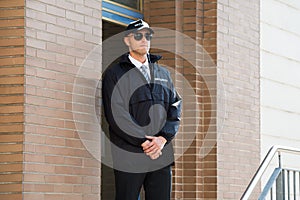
{"points": [[227, 95], [59, 36], [238, 64], [11, 98], [194, 176]]}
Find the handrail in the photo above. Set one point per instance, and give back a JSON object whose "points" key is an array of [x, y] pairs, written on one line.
{"points": [[263, 166], [270, 183]]}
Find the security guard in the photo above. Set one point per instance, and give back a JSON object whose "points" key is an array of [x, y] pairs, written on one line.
{"points": [[143, 111]]}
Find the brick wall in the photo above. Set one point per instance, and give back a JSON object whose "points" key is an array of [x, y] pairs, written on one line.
{"points": [[39, 136], [59, 36], [227, 95], [11, 98], [194, 176], [238, 64], [207, 89]]}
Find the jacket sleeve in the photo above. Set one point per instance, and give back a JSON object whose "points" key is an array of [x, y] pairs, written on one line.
{"points": [[131, 129], [171, 126]]}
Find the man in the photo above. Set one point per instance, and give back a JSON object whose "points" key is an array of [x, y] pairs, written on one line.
{"points": [[143, 110]]}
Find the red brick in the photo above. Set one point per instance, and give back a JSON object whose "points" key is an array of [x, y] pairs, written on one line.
{"points": [[11, 167], [91, 180], [73, 161], [10, 178], [12, 118], [91, 163], [34, 178], [12, 32], [41, 168], [12, 128], [78, 180], [63, 188], [12, 42], [11, 61], [82, 189], [12, 98], [44, 188], [11, 196], [12, 71], [11, 158], [54, 196], [50, 142], [164, 4], [55, 141], [12, 23], [55, 159], [4, 148], [11, 3], [91, 197], [12, 51], [10, 187], [33, 196]]}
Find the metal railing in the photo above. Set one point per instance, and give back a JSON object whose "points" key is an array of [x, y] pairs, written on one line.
{"points": [[279, 177], [283, 184]]}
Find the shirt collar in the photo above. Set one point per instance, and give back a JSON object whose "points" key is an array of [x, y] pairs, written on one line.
{"points": [[137, 63]]}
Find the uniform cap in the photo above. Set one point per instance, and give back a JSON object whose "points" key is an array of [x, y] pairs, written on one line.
{"points": [[137, 25]]}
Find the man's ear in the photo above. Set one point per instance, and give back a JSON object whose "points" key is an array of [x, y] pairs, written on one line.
{"points": [[126, 41]]}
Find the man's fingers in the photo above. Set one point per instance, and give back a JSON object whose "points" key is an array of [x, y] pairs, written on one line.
{"points": [[153, 152], [148, 148], [156, 155], [150, 137], [145, 144], [151, 149], [152, 145]]}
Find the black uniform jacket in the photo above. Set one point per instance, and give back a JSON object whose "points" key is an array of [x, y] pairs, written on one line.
{"points": [[133, 108]]}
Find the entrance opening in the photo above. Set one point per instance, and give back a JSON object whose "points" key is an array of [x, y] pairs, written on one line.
{"points": [[107, 176]]}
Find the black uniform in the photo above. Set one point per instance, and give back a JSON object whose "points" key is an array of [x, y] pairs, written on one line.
{"points": [[133, 109]]}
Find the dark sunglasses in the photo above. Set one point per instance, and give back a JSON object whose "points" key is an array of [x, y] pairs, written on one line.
{"points": [[139, 36]]}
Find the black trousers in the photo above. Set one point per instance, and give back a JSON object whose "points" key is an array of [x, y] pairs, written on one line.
{"points": [[157, 184]]}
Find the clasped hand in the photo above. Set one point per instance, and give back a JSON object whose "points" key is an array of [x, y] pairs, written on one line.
{"points": [[153, 146]]}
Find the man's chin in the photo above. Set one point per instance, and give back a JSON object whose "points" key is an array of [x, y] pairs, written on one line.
{"points": [[141, 51]]}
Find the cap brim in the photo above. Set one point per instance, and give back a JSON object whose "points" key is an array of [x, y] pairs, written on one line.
{"points": [[127, 32]]}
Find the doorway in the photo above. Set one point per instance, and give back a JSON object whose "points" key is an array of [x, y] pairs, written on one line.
{"points": [[107, 176]]}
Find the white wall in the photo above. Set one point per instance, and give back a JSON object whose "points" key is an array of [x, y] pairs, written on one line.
{"points": [[280, 74]]}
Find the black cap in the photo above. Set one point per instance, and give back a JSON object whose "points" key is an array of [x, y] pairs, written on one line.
{"points": [[137, 25]]}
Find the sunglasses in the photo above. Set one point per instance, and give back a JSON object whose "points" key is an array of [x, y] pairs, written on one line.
{"points": [[139, 36]]}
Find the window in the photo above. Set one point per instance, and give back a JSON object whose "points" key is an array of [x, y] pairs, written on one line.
{"points": [[121, 12]]}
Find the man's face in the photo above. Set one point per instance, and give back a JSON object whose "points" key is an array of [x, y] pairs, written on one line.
{"points": [[139, 42]]}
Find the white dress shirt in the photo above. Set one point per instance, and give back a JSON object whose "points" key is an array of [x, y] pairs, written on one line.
{"points": [[138, 64]]}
